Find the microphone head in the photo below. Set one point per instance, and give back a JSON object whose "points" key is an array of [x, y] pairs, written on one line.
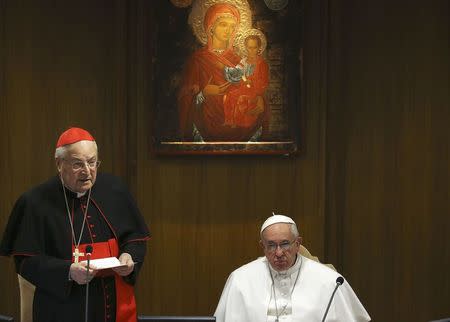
{"points": [[340, 280], [89, 249]]}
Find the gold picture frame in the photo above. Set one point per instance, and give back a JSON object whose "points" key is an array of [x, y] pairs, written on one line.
{"points": [[228, 78]]}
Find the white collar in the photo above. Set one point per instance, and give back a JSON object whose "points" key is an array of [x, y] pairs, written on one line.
{"points": [[79, 194]]}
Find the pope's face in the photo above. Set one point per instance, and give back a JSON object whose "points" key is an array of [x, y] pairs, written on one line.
{"points": [[78, 168], [224, 28], [280, 246]]}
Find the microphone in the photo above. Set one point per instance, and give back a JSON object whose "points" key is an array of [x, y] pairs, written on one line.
{"points": [[89, 249], [88, 252], [339, 282]]}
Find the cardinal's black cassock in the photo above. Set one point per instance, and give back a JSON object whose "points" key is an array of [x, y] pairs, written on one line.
{"points": [[39, 236]]}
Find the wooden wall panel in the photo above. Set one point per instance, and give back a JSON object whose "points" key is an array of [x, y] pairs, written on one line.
{"points": [[388, 162]]}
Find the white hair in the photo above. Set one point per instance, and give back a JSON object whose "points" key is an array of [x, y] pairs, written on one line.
{"points": [[294, 230], [61, 152]]}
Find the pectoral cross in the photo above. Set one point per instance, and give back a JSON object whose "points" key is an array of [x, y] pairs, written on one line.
{"points": [[76, 254]]}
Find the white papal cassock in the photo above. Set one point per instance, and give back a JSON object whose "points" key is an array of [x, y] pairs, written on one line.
{"points": [[248, 295]]}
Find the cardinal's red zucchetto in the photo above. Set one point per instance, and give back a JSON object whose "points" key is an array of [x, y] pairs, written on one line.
{"points": [[73, 135]]}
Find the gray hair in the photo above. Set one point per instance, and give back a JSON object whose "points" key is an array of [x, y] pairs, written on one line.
{"points": [[61, 152], [294, 231]]}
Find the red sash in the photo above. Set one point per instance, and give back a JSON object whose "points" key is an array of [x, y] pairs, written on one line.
{"points": [[125, 301]]}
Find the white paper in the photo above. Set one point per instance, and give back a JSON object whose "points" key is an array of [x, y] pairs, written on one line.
{"points": [[103, 263]]}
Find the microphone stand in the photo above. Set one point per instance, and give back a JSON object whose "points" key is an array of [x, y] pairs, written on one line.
{"points": [[339, 282], [88, 256]]}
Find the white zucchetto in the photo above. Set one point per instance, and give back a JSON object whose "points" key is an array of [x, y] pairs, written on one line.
{"points": [[275, 219]]}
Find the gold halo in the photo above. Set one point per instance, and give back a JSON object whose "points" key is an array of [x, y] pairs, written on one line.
{"points": [[200, 7], [240, 41]]}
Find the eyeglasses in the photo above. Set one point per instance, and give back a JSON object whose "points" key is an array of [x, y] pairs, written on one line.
{"points": [[284, 246], [77, 165]]}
